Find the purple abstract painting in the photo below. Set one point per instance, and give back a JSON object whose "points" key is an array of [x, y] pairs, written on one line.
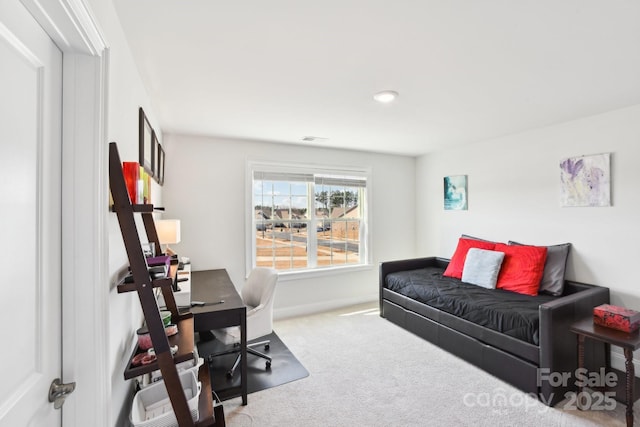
{"points": [[586, 181]]}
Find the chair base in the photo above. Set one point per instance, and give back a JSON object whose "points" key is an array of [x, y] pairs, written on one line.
{"points": [[250, 350]]}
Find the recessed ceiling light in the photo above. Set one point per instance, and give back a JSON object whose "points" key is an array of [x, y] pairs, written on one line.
{"points": [[385, 96]]}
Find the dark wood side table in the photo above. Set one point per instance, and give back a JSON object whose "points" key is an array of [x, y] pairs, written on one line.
{"points": [[628, 341]]}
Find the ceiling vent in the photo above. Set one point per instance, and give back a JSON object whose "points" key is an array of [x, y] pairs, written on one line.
{"points": [[314, 139]]}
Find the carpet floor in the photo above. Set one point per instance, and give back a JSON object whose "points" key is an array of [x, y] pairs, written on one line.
{"points": [[366, 371]]}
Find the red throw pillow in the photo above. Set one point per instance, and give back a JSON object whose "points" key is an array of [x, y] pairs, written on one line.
{"points": [[456, 265], [522, 268]]}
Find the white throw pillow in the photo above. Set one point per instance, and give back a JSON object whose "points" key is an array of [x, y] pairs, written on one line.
{"points": [[481, 267]]}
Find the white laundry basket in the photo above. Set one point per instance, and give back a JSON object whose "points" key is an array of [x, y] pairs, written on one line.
{"points": [[152, 407], [155, 376]]}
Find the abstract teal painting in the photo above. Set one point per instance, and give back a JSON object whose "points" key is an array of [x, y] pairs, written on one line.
{"points": [[585, 180], [455, 193]]}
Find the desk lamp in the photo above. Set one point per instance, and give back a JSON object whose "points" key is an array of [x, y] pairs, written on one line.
{"points": [[168, 233]]}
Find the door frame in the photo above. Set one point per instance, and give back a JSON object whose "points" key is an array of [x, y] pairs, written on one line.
{"points": [[85, 290]]}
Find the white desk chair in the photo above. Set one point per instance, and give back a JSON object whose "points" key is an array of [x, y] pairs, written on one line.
{"points": [[257, 294]]}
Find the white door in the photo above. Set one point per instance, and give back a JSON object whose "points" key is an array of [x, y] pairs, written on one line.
{"points": [[30, 218]]}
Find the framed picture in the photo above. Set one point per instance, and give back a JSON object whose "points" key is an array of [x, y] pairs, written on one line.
{"points": [[160, 165], [585, 180], [154, 153], [455, 193], [146, 136]]}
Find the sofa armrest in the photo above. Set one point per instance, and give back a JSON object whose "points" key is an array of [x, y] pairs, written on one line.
{"points": [[558, 345], [389, 267]]}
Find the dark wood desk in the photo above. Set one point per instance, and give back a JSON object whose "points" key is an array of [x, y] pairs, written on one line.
{"points": [[213, 286], [628, 341]]}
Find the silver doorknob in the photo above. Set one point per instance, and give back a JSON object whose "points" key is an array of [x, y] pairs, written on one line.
{"points": [[59, 391]]}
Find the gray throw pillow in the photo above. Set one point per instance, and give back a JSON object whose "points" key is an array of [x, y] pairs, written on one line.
{"points": [[466, 236], [481, 267], [554, 268]]}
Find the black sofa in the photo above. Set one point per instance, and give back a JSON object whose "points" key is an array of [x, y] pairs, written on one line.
{"points": [[523, 364]]}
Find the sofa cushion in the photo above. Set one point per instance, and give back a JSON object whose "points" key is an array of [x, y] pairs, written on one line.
{"points": [[554, 268], [522, 268], [456, 265], [481, 267]]}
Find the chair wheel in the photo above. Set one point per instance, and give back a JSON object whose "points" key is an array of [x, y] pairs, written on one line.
{"points": [[268, 365], [266, 346]]}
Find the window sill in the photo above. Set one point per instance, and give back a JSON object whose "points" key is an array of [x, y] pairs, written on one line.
{"points": [[319, 272]]}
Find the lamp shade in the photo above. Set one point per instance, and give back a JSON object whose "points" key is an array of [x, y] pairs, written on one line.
{"points": [[168, 231]]}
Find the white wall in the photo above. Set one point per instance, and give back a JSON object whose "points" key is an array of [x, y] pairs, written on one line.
{"points": [[514, 194], [205, 189], [126, 93]]}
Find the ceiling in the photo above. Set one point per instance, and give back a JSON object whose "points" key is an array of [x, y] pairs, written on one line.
{"points": [[466, 70]]}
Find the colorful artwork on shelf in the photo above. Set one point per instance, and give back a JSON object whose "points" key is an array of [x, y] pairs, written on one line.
{"points": [[131, 172], [585, 181], [455, 193]]}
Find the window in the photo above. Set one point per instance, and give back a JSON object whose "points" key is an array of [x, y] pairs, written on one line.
{"points": [[300, 221]]}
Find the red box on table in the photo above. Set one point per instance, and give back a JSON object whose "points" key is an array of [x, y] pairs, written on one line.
{"points": [[620, 318]]}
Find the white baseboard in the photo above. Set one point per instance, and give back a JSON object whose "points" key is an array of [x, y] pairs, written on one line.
{"points": [[317, 307]]}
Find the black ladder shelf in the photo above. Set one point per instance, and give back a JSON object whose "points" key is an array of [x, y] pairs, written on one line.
{"points": [[144, 285]]}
